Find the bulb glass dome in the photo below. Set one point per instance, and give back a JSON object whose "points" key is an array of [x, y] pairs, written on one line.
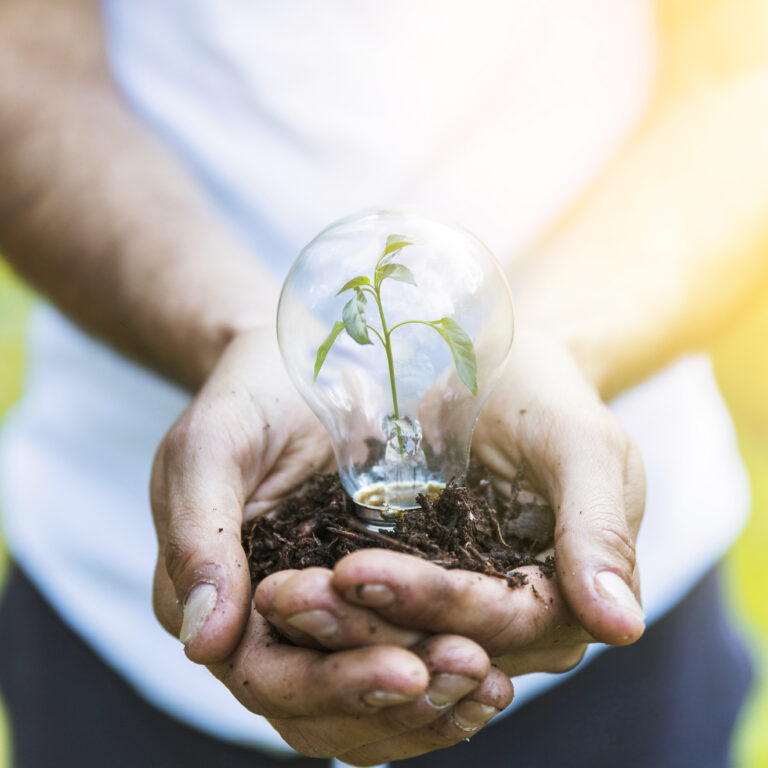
{"points": [[395, 329]]}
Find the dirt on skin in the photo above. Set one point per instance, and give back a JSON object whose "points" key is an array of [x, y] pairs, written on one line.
{"points": [[473, 527]]}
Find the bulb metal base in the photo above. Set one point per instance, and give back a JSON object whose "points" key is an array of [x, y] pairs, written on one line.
{"points": [[382, 504]]}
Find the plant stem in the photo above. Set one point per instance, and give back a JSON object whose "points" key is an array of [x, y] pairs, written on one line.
{"points": [[406, 322], [378, 335], [390, 360], [391, 363]]}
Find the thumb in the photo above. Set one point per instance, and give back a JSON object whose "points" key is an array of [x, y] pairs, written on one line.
{"points": [[202, 590], [599, 502]]}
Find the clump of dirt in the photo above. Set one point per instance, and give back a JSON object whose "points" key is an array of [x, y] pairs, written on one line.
{"points": [[473, 527]]}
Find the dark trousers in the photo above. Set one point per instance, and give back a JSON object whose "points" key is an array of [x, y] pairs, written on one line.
{"points": [[669, 701]]}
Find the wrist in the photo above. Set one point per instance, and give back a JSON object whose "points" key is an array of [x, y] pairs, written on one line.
{"points": [[218, 305]]}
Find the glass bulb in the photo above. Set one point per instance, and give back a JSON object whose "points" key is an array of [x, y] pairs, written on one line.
{"points": [[395, 329]]}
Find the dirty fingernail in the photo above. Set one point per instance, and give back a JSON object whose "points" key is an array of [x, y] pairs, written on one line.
{"points": [[198, 607], [385, 698], [445, 688], [470, 715], [377, 595], [612, 587], [317, 623]]}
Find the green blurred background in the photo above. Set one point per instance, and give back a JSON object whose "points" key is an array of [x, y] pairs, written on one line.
{"points": [[741, 362]]}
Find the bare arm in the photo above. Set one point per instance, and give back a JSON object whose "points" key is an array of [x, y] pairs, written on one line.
{"points": [[99, 216], [670, 243]]}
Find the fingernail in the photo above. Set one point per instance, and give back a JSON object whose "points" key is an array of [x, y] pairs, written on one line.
{"points": [[316, 623], [470, 715], [386, 699], [377, 595], [612, 587], [199, 606], [409, 638], [445, 688]]}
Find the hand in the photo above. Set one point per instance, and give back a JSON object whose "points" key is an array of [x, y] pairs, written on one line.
{"points": [[590, 470], [246, 441], [374, 594], [584, 463], [368, 705]]}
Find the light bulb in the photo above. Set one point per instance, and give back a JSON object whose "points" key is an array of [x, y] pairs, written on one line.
{"points": [[395, 329]]}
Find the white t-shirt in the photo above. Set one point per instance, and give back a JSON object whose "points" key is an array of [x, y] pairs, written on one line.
{"points": [[491, 113]]}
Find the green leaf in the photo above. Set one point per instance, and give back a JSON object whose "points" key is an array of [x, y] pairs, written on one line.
{"points": [[462, 349], [396, 272], [353, 316], [325, 347], [355, 282], [391, 248], [395, 243]]}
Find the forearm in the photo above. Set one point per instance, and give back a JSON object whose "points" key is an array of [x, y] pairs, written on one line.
{"points": [[667, 247], [99, 216]]}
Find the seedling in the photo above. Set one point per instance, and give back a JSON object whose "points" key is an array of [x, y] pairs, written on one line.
{"points": [[354, 321]]}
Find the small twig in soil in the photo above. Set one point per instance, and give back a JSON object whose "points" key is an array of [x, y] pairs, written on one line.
{"points": [[492, 513], [365, 532]]}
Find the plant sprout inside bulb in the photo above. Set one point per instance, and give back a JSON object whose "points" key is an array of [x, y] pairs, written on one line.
{"points": [[395, 329]]}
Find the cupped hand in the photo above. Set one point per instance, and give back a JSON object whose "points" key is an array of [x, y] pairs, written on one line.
{"points": [[583, 462], [377, 596], [245, 442], [366, 705]]}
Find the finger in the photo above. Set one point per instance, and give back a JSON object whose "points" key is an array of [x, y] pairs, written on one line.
{"points": [[197, 506], [595, 535], [308, 452], [166, 606], [263, 599], [417, 594], [457, 666], [469, 716], [278, 680], [306, 601], [550, 660]]}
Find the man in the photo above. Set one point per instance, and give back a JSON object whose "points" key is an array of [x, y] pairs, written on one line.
{"points": [[279, 120]]}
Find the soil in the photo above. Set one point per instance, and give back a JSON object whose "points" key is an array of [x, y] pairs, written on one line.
{"points": [[473, 527]]}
